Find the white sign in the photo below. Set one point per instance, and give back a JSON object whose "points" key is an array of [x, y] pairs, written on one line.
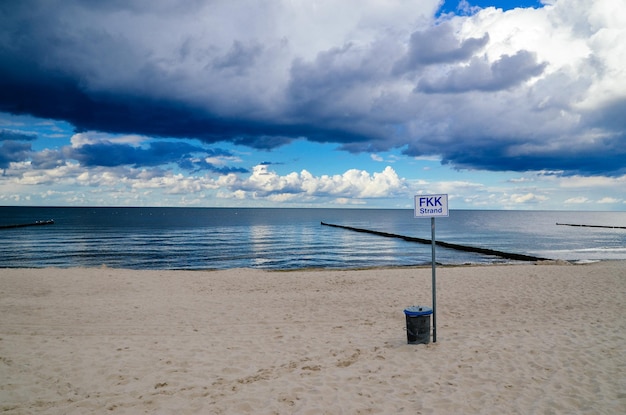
{"points": [[429, 206]]}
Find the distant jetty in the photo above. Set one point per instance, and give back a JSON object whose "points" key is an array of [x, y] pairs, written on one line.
{"points": [[24, 225], [592, 226], [465, 248]]}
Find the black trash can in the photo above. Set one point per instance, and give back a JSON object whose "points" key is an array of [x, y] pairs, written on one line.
{"points": [[418, 324]]}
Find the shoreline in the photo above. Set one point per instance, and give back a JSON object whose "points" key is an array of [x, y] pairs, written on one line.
{"points": [[329, 269], [511, 338]]}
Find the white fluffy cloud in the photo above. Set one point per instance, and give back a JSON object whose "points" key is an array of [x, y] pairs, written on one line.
{"points": [[354, 184], [261, 184]]}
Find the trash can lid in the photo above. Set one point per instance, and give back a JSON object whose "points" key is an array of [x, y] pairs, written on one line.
{"points": [[418, 310]]}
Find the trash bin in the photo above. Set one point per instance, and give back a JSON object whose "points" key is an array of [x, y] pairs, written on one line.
{"points": [[418, 324]]}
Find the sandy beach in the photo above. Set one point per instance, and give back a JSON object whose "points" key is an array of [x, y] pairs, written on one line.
{"points": [[544, 338]]}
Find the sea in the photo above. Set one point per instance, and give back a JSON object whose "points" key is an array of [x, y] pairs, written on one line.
{"points": [[171, 238]]}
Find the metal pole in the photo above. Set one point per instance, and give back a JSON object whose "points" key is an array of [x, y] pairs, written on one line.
{"points": [[434, 282]]}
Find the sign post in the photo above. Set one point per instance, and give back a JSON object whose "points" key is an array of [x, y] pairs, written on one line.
{"points": [[430, 206]]}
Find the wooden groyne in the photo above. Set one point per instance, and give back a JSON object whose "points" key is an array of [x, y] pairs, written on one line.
{"points": [[592, 226], [465, 248], [23, 225]]}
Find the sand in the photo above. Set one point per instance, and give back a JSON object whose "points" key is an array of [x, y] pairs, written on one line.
{"points": [[511, 339]]}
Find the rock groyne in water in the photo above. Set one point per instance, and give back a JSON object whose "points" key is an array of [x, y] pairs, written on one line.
{"points": [[23, 225], [465, 248]]}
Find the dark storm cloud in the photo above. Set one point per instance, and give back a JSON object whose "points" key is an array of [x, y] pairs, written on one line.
{"points": [[438, 45], [9, 135], [54, 96], [51, 95], [113, 154], [185, 155], [335, 90], [47, 159], [12, 151], [506, 72], [602, 156], [611, 116], [54, 68], [566, 163], [219, 71], [239, 58], [196, 165], [13, 148]]}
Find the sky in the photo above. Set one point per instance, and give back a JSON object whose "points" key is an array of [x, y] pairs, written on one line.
{"points": [[316, 103]]}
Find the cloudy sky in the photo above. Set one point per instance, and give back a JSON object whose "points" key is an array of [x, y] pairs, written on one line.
{"points": [[313, 103]]}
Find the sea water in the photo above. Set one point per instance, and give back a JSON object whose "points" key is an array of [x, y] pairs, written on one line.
{"points": [[277, 239]]}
